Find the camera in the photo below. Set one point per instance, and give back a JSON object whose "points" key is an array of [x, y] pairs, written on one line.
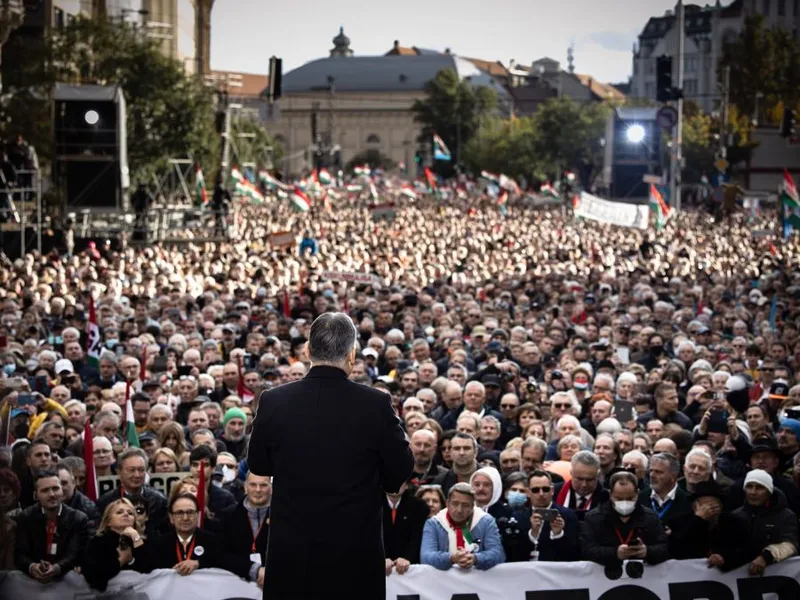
{"points": [[532, 386], [556, 375]]}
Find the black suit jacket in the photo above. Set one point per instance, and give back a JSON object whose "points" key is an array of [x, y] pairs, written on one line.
{"points": [[679, 510], [163, 554], [237, 540], [599, 497], [334, 447], [563, 549], [157, 521], [403, 538], [71, 537]]}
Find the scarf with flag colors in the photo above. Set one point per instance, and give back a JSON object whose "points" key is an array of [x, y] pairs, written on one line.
{"points": [[200, 195], [789, 205], [243, 187], [130, 425], [661, 211], [90, 483], [93, 342], [300, 200], [440, 149]]}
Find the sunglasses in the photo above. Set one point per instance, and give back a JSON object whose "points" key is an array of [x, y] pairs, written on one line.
{"points": [[540, 490], [562, 405], [508, 406]]}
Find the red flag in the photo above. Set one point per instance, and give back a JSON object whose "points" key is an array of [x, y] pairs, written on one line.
{"points": [[241, 391], [143, 367], [772, 249], [287, 309], [90, 485], [201, 494], [431, 178]]}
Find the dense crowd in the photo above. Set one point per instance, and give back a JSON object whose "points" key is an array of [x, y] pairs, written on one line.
{"points": [[569, 390]]}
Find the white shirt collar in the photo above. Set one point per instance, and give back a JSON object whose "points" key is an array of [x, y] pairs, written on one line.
{"points": [[60, 508], [669, 498], [184, 541], [389, 502]]}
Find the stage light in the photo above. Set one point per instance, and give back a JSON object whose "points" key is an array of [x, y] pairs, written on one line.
{"points": [[92, 117], [635, 134]]}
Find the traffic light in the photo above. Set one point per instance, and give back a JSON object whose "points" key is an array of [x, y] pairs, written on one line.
{"points": [[787, 124], [664, 91]]}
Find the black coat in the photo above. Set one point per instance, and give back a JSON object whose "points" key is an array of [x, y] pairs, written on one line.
{"points": [[784, 484], [70, 538], [237, 541], [87, 507], [157, 522], [403, 538], [696, 538], [100, 562], [219, 499], [163, 553], [334, 448], [514, 529], [599, 497], [599, 541], [674, 516]]}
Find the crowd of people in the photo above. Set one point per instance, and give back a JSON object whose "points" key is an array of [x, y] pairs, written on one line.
{"points": [[570, 391]]}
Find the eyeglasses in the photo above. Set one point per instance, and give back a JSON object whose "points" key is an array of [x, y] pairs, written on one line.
{"points": [[562, 405], [183, 514], [540, 490]]}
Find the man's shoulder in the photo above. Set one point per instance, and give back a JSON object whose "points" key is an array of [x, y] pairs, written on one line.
{"points": [[230, 512], [152, 494], [567, 513], [71, 514]]}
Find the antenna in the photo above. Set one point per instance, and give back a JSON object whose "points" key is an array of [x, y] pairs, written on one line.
{"points": [[571, 57]]}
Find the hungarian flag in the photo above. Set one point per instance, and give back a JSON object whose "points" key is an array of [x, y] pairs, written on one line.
{"points": [[90, 484], [502, 200], [243, 187], [409, 191], [93, 344], [130, 425], [440, 149], [509, 184], [201, 197], [270, 181], [362, 170], [300, 201], [789, 206], [324, 177], [490, 176], [548, 190], [431, 179], [661, 210]]}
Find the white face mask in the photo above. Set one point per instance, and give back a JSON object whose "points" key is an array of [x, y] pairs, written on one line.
{"points": [[624, 507]]}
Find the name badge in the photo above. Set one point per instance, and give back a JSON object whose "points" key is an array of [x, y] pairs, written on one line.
{"points": [[255, 557], [53, 549], [199, 551]]}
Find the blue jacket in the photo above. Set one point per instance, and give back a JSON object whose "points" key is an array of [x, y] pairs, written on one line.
{"points": [[435, 549]]}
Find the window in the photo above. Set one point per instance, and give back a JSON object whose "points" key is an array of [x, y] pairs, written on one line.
{"points": [[765, 7], [781, 8], [690, 64], [373, 139], [690, 87], [650, 89]]}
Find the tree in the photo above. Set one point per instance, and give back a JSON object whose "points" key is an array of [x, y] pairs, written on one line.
{"points": [[452, 109], [252, 146], [169, 113]]}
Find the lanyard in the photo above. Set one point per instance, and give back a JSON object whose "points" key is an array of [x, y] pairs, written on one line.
{"points": [[51, 533], [179, 550], [664, 507], [258, 533], [627, 539]]}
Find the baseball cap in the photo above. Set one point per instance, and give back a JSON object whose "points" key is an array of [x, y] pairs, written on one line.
{"points": [[64, 365], [369, 352]]}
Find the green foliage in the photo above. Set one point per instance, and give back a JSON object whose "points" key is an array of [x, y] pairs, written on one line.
{"points": [[170, 114], [561, 135], [252, 148], [765, 64], [373, 158], [453, 109]]}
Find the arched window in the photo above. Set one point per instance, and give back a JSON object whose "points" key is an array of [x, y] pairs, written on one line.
{"points": [[373, 140]]}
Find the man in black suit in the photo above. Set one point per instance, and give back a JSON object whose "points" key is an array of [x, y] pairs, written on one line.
{"points": [[246, 528], [583, 492], [404, 517], [351, 437], [664, 496]]}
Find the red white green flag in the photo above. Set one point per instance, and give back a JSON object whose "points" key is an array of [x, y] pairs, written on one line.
{"points": [[201, 197], [93, 342]]}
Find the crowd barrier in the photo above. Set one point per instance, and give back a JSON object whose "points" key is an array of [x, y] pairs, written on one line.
{"points": [[673, 580]]}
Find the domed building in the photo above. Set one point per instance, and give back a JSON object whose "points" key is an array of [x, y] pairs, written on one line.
{"points": [[362, 102]]}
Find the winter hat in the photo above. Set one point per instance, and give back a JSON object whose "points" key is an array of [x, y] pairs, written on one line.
{"points": [[760, 477], [497, 483], [233, 413], [793, 425]]}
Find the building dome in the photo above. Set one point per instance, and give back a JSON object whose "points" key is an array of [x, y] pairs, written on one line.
{"points": [[341, 45]]}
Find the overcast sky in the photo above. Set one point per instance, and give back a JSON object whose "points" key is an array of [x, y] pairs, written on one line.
{"points": [[245, 33]]}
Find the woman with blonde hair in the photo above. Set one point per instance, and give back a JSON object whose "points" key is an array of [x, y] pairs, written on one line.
{"points": [[164, 461], [171, 436], [118, 546]]}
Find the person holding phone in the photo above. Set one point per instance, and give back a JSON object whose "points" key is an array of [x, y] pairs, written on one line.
{"points": [[623, 529], [118, 546]]}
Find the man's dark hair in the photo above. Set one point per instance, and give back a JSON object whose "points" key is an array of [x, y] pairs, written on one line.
{"points": [[201, 452], [182, 496], [44, 474], [332, 338], [34, 443], [623, 477], [662, 389], [540, 473], [141, 397]]}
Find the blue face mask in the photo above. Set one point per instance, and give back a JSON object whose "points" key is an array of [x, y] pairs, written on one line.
{"points": [[9, 369], [55, 340], [111, 344], [516, 499]]}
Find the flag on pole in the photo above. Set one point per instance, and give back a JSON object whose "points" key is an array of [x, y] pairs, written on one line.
{"points": [[300, 200], [92, 336], [490, 176], [408, 191], [324, 177], [548, 190], [362, 170], [431, 179], [789, 205], [201, 197], [201, 494], [143, 365], [440, 149], [90, 483], [241, 391], [661, 210], [130, 425], [243, 187], [287, 308]]}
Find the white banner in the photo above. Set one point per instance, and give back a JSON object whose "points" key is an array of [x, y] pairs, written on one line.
{"points": [[673, 580], [613, 213]]}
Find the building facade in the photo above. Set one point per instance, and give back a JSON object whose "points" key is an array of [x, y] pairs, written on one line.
{"points": [[707, 30]]}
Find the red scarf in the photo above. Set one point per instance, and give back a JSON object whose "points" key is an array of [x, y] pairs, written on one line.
{"points": [[462, 533]]}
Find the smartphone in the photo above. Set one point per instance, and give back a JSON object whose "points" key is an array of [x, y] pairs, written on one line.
{"points": [[68, 379], [624, 410], [547, 514], [26, 399], [184, 370], [634, 542], [14, 383], [159, 364]]}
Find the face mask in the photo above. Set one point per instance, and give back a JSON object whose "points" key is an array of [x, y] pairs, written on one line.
{"points": [[111, 344], [516, 499], [55, 340], [9, 369], [431, 340], [228, 474], [624, 507], [581, 385], [216, 483], [328, 294]]}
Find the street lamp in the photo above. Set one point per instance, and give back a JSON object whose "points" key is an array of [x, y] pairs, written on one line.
{"points": [[635, 134]]}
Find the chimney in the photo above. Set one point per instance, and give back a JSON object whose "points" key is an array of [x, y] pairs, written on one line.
{"points": [[396, 44], [511, 64], [447, 50]]}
